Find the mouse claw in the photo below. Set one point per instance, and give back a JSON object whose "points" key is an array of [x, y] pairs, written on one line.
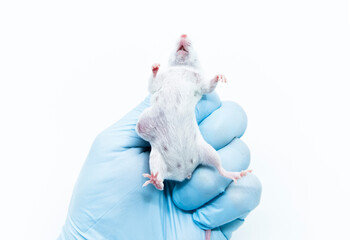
{"points": [[221, 78], [156, 65], [154, 180], [155, 68], [235, 175], [146, 183]]}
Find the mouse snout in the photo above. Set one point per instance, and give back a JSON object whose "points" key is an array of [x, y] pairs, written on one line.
{"points": [[184, 40], [183, 43], [184, 53]]}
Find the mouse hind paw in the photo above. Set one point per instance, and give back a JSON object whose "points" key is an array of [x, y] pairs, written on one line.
{"points": [[235, 175], [154, 180]]}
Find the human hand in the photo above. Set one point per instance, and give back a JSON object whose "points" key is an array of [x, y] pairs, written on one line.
{"points": [[109, 202]]}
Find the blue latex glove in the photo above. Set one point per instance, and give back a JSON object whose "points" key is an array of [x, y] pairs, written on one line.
{"points": [[109, 202]]}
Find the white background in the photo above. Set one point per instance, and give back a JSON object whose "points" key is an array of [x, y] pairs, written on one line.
{"points": [[69, 69]]}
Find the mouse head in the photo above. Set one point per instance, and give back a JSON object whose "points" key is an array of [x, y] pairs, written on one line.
{"points": [[184, 54]]}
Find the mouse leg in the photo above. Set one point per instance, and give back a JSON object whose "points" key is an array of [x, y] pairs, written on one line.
{"points": [[209, 86], [152, 83], [209, 156], [157, 167]]}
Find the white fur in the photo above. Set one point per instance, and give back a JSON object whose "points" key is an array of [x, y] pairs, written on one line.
{"points": [[169, 124]]}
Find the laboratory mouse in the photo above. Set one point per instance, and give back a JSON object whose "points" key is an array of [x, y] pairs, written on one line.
{"points": [[169, 124]]}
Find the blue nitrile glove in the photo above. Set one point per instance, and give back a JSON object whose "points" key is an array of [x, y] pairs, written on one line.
{"points": [[109, 201]]}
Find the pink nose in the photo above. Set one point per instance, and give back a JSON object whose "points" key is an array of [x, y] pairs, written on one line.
{"points": [[184, 36]]}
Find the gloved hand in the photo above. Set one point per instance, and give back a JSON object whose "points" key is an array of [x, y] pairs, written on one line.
{"points": [[109, 201]]}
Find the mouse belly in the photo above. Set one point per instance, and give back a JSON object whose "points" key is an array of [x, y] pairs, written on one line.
{"points": [[173, 139], [180, 168], [179, 151]]}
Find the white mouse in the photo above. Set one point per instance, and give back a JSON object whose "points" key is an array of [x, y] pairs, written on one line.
{"points": [[169, 124]]}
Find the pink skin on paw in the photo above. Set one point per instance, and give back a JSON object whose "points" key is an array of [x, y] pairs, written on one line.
{"points": [[234, 175], [238, 175], [221, 78], [154, 180], [245, 172], [155, 68]]}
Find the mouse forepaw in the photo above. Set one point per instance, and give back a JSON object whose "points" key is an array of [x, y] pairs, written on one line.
{"points": [[155, 68], [220, 78], [154, 180]]}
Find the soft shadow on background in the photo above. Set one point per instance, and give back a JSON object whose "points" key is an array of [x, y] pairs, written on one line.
{"points": [[69, 69]]}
